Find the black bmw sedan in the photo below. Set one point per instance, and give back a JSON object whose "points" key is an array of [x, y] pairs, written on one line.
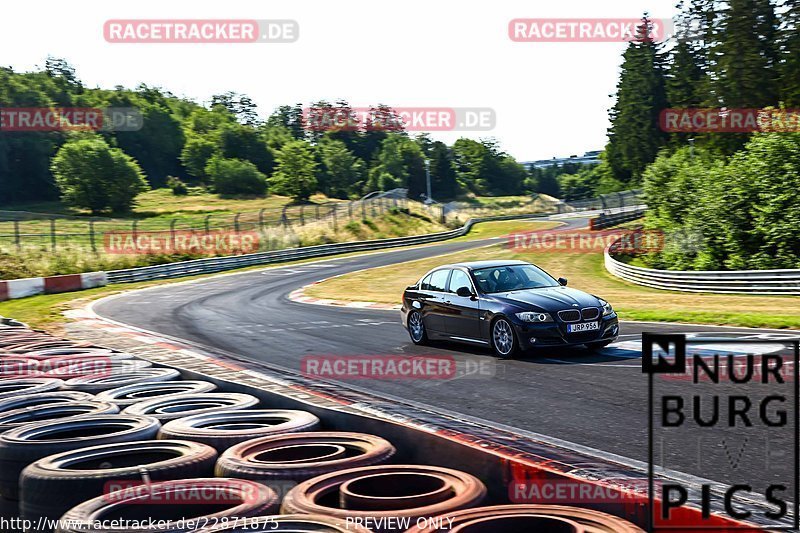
{"points": [[510, 306]]}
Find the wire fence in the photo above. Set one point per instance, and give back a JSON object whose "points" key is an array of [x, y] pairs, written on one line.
{"points": [[20, 229]]}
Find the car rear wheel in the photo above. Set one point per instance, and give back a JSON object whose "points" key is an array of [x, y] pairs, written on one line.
{"points": [[504, 341], [416, 328]]}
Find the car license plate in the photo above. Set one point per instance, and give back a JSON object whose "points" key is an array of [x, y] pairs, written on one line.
{"points": [[584, 326]]}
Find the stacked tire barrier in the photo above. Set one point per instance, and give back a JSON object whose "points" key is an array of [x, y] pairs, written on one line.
{"points": [[90, 435]]}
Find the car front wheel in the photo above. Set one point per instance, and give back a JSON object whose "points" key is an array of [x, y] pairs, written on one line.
{"points": [[416, 328], [504, 341]]}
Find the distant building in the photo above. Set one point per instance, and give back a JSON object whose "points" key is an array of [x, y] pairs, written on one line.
{"points": [[588, 158]]}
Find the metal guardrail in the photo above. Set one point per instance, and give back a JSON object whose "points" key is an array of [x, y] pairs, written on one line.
{"points": [[219, 264], [618, 216], [769, 282]]}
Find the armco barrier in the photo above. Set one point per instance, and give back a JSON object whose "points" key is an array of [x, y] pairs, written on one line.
{"points": [[31, 286], [769, 282], [607, 220], [219, 264]]}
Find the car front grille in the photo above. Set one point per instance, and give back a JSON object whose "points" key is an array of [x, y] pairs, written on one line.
{"points": [[569, 315], [590, 313]]}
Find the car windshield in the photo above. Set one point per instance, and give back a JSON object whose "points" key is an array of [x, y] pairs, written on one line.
{"points": [[512, 278]]}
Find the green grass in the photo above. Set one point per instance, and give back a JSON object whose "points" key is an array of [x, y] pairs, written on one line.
{"points": [[45, 311], [154, 210], [585, 271], [502, 228], [40, 260], [500, 201]]}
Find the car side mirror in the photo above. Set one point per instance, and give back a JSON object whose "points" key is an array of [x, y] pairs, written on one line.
{"points": [[464, 292], [562, 281]]}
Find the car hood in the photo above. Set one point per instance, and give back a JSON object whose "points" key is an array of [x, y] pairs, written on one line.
{"points": [[549, 298]]}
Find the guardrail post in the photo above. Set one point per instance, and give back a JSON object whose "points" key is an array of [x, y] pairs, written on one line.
{"points": [[17, 239], [302, 215], [236, 222], [350, 210], [206, 224], [53, 233], [91, 236], [335, 224], [261, 219]]}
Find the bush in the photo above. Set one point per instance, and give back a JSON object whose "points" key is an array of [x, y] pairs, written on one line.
{"points": [[234, 177], [294, 175], [92, 175], [178, 187], [740, 214]]}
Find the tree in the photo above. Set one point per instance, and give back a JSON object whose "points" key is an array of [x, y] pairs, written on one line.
{"points": [[90, 174], [685, 80], [789, 49], [238, 141], [291, 118], [470, 160], [635, 137], [341, 170], [157, 145], [744, 59], [389, 170], [295, 171], [233, 177], [238, 105], [443, 173], [196, 154]]}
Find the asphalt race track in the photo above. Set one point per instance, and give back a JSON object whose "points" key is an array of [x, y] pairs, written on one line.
{"points": [[598, 400]]}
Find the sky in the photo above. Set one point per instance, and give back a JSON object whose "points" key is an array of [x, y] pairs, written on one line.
{"points": [[549, 99]]}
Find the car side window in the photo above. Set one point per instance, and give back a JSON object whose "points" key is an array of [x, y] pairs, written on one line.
{"points": [[459, 279], [425, 285], [439, 280]]}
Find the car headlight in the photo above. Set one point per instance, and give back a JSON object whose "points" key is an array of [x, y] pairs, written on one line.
{"points": [[532, 316], [607, 310]]}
